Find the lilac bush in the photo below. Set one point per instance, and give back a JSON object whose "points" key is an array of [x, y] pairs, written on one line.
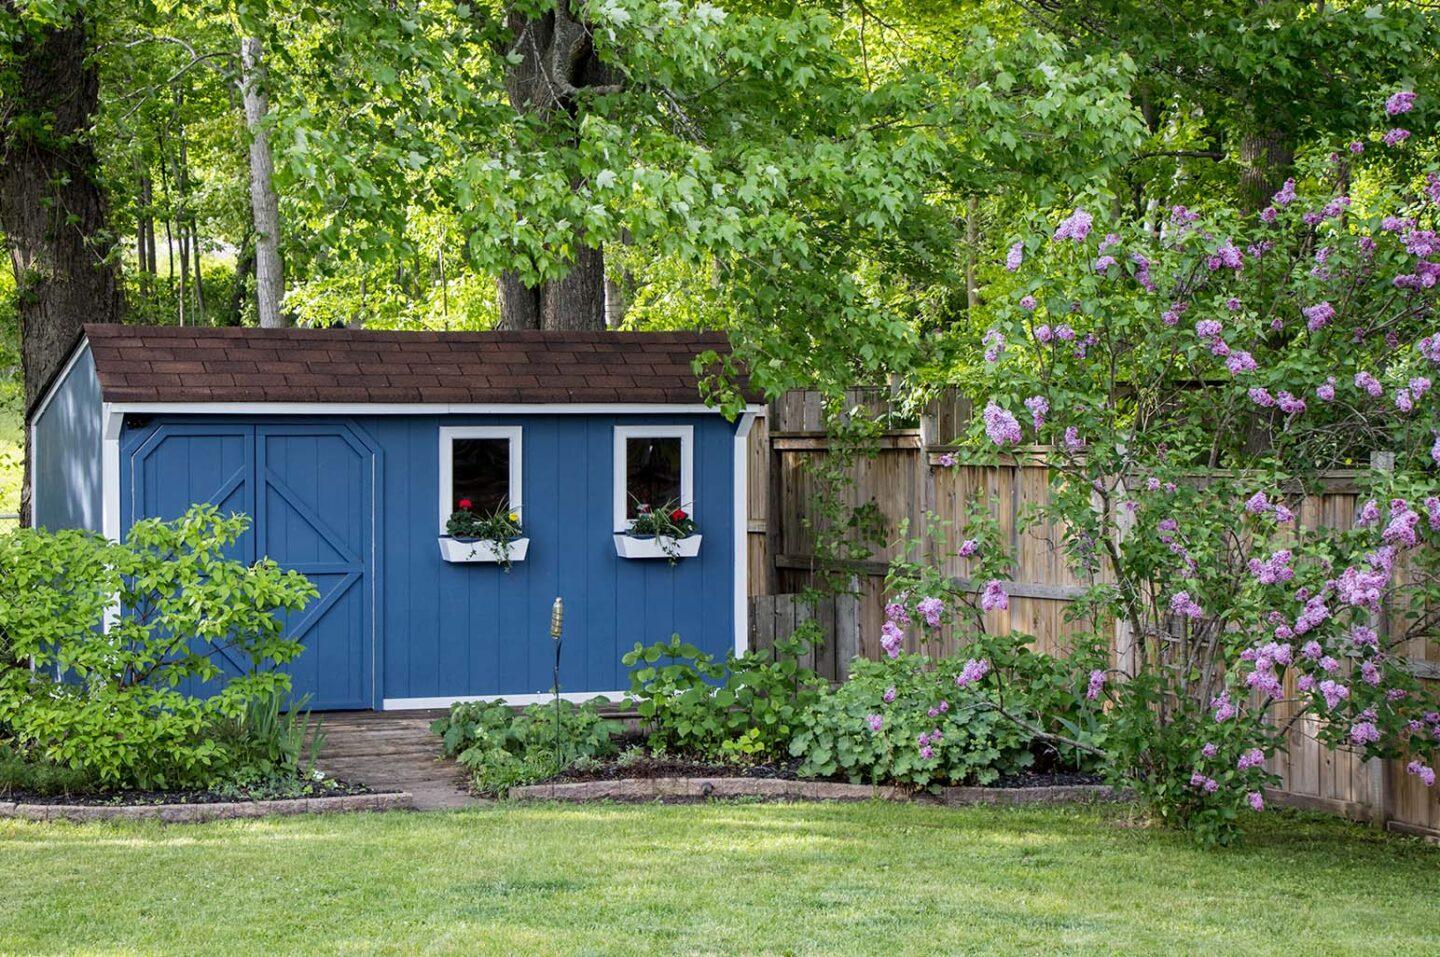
{"points": [[1192, 377]]}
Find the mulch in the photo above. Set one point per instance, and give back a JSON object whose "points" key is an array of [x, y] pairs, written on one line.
{"points": [[138, 798]]}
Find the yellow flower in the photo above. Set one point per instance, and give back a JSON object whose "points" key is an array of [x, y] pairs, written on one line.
{"points": [[513, 517]]}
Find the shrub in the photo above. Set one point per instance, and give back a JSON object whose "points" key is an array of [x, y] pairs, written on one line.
{"points": [[744, 709], [504, 748], [1191, 377], [903, 721], [107, 699]]}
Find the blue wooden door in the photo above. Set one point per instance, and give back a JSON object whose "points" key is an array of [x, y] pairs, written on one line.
{"points": [[309, 490]]}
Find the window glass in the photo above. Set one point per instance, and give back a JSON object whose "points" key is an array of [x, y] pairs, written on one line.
{"points": [[652, 473], [480, 472]]}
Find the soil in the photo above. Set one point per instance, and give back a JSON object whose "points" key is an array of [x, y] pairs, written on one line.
{"points": [[1047, 771], [327, 788]]}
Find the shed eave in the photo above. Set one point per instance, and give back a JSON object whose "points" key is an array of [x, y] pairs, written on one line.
{"points": [[424, 408]]}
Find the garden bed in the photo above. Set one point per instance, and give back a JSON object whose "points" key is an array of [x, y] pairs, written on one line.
{"points": [[692, 789]]}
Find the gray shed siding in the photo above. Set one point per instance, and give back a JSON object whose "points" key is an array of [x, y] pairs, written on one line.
{"points": [[68, 441]]}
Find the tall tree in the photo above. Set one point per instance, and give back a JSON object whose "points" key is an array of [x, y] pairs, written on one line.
{"points": [[52, 208], [264, 204]]}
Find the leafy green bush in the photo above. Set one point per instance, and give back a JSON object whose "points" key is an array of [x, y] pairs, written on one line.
{"points": [[107, 699], [902, 721], [746, 708], [504, 748], [19, 773]]}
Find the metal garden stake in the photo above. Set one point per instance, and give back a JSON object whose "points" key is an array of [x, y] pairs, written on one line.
{"points": [[557, 624]]}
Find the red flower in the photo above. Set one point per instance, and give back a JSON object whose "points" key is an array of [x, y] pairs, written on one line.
{"points": [[465, 503], [678, 515]]}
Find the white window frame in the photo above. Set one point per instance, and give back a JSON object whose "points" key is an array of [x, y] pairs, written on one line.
{"points": [[448, 435], [686, 435]]}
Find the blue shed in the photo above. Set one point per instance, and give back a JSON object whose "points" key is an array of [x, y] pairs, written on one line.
{"points": [[350, 449]]}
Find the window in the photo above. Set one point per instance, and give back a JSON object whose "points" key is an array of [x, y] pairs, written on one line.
{"points": [[653, 466], [481, 464]]}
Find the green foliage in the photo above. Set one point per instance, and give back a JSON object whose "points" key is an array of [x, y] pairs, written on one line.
{"points": [[745, 708], [19, 772], [929, 731], [504, 748], [272, 739], [109, 700]]}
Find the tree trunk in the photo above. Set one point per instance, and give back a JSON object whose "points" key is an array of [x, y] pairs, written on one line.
{"points": [[264, 204], [244, 268], [1266, 158], [51, 208], [553, 61]]}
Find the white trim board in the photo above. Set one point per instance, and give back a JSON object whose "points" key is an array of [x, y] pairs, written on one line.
{"points": [[741, 522], [623, 434], [445, 701], [514, 434], [424, 408]]}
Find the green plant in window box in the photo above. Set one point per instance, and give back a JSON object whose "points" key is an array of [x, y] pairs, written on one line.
{"points": [[667, 524], [500, 528]]}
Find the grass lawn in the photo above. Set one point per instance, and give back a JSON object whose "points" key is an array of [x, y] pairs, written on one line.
{"points": [[713, 879]]}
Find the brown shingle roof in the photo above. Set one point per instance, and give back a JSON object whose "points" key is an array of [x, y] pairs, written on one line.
{"points": [[199, 364]]}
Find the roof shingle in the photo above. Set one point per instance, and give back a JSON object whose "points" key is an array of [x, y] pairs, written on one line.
{"points": [[200, 364]]}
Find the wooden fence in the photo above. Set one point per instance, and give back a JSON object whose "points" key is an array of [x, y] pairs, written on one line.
{"points": [[905, 481]]}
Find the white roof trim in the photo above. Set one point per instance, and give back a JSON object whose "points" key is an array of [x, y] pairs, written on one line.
{"points": [[422, 408]]}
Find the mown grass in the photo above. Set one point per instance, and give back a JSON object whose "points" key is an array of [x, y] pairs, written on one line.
{"points": [[714, 879]]}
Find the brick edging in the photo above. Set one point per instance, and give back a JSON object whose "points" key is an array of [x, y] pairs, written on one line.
{"points": [[777, 789], [218, 811]]}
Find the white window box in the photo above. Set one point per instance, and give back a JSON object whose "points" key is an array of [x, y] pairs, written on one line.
{"points": [[628, 546], [480, 550]]}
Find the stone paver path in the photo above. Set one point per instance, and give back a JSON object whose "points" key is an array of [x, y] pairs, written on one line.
{"points": [[393, 751]]}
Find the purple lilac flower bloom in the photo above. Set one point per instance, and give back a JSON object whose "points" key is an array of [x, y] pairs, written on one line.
{"points": [[994, 345], [1432, 509], [1333, 692], [930, 609], [1103, 264], [1256, 799], [1289, 404], [968, 547], [875, 721], [1038, 406], [1326, 391], [1269, 214], [895, 611], [1370, 673], [889, 695], [1224, 708], [1097, 683], [1318, 316], [1208, 328], [1258, 503], [1357, 147], [1241, 362], [1286, 195], [1250, 759], [1364, 732], [1283, 515], [1401, 102], [947, 459], [1395, 137], [1369, 514], [994, 597], [1001, 426], [1044, 334], [1262, 397], [1076, 227], [1366, 381], [1273, 570], [1435, 450], [1064, 333], [1403, 529], [1074, 443], [1210, 750], [1182, 604], [890, 638], [973, 671], [1430, 348], [1015, 257], [1425, 774], [1228, 256], [1028, 303]]}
